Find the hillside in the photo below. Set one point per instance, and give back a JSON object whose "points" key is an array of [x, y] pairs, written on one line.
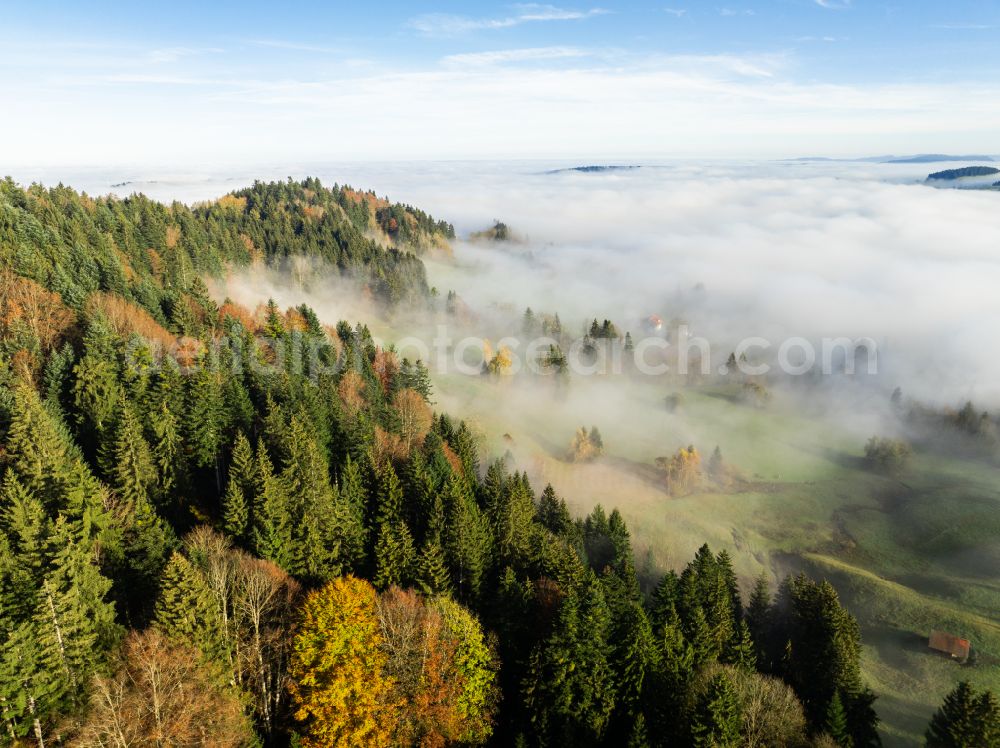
{"points": [[966, 171], [234, 526], [155, 255]]}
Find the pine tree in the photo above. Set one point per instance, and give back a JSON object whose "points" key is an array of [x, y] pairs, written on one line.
{"points": [[186, 610], [965, 719], [432, 570], [36, 451], [203, 419], [568, 688], [528, 322], [635, 657], [465, 539], [741, 651], [239, 496], [274, 323], [25, 536], [323, 529], [168, 455], [509, 516], [836, 723], [147, 542], [355, 496], [553, 513], [271, 533], [32, 685], [96, 394], [55, 652], [235, 512], [758, 617], [394, 555], [670, 684], [130, 462], [703, 644], [716, 720]]}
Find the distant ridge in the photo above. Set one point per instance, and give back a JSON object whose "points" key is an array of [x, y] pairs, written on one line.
{"points": [[594, 169], [931, 158], [921, 158]]}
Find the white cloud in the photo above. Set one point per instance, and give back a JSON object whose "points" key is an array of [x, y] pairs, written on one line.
{"points": [[533, 102], [445, 24], [834, 4], [290, 45], [501, 56], [676, 12], [731, 12], [173, 54]]}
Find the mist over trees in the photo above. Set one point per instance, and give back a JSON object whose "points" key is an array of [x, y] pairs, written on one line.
{"points": [[271, 537]]}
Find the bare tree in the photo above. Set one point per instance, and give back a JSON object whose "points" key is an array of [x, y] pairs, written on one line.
{"points": [[161, 694]]}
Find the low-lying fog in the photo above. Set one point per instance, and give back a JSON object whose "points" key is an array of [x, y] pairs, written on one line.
{"points": [[772, 249]]}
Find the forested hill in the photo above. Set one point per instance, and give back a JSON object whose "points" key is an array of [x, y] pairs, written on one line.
{"points": [[268, 537], [154, 255]]}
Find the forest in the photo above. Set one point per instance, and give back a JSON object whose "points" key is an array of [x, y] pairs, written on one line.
{"points": [[233, 526]]}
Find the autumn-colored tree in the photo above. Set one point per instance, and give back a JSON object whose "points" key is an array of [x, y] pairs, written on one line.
{"points": [[586, 446], [162, 694], [340, 689], [385, 366], [681, 471], [350, 390], [26, 304], [127, 319], [442, 670], [500, 364], [415, 417]]}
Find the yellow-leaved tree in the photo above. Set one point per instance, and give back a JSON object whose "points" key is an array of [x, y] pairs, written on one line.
{"points": [[339, 684]]}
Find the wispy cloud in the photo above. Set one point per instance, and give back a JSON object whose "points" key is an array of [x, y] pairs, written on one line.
{"points": [[501, 56], [172, 54], [834, 4], [676, 12], [963, 26], [731, 12], [295, 46], [445, 24]]}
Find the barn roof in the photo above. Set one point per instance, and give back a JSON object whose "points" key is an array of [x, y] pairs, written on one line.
{"points": [[956, 646]]}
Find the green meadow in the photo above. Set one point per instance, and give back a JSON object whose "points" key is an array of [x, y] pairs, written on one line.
{"points": [[907, 554]]}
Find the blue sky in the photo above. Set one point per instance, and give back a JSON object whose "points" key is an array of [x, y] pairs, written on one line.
{"points": [[187, 82]]}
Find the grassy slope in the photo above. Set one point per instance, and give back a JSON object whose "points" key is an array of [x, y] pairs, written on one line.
{"points": [[907, 555]]}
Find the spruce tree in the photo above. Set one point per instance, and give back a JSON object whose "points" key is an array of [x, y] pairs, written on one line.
{"points": [[758, 618], [169, 456], [465, 540], [36, 450], [835, 724], [965, 719], [271, 535], [203, 419], [716, 720], [25, 532], [130, 462], [741, 651], [240, 488], [394, 555], [186, 610], [432, 570], [568, 687]]}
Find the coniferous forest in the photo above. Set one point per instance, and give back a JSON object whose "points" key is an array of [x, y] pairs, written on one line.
{"points": [[225, 526]]}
